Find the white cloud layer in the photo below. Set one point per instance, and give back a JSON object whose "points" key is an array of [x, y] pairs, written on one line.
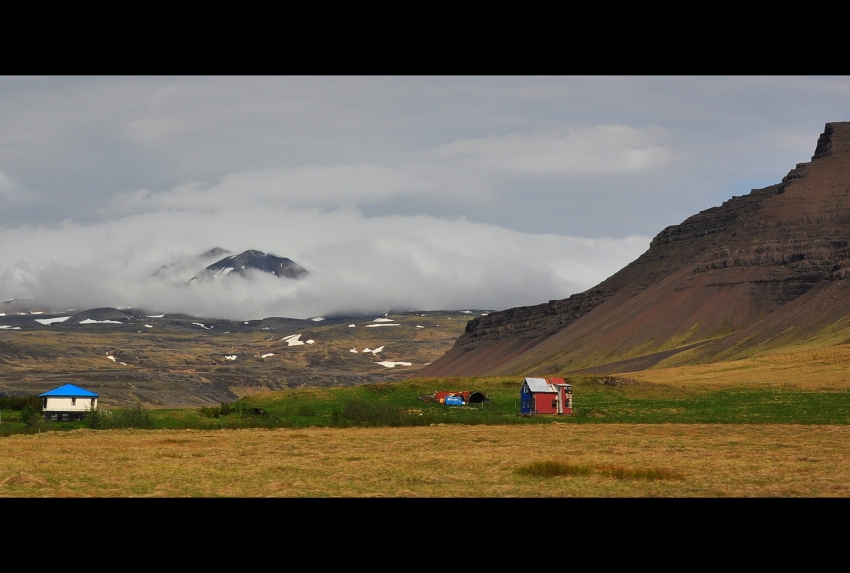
{"points": [[357, 264], [602, 149], [305, 186]]}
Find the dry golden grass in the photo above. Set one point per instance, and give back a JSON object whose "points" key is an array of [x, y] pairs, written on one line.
{"points": [[467, 461], [813, 368]]}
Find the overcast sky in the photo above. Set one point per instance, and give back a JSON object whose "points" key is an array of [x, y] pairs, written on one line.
{"points": [[394, 192]]}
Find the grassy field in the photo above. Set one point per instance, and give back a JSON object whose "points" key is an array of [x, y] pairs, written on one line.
{"points": [[597, 400], [446, 461], [822, 368], [765, 426]]}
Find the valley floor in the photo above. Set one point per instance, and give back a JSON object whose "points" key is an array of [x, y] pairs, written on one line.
{"points": [[439, 461]]}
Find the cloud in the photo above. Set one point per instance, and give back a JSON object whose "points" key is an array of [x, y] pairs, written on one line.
{"points": [[12, 193], [594, 150], [77, 140], [357, 264], [306, 186], [449, 172]]}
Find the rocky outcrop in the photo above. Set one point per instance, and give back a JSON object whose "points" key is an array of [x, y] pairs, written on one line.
{"points": [[528, 322]]}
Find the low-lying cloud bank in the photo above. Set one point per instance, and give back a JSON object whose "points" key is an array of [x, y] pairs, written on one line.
{"points": [[313, 214], [357, 264]]}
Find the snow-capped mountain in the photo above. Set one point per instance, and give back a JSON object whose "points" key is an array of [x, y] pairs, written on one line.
{"points": [[257, 260]]}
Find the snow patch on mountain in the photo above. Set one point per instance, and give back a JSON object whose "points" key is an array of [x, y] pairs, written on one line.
{"points": [[388, 364], [47, 321], [293, 340]]}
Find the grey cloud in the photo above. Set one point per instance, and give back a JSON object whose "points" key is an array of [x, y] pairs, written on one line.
{"points": [[74, 142], [12, 193], [309, 185], [601, 149]]}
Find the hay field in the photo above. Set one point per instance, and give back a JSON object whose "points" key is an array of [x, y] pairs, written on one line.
{"points": [[441, 461]]}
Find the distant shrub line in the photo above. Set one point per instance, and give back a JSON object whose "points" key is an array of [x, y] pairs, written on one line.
{"points": [[358, 412], [20, 402], [136, 417], [353, 412]]}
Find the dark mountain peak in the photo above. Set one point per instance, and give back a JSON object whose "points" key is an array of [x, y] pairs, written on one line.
{"points": [[251, 259]]}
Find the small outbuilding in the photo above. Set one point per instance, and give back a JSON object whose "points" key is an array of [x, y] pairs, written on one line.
{"points": [[67, 403], [546, 396]]}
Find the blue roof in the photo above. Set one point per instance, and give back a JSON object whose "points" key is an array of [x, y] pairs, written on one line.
{"points": [[70, 390]]}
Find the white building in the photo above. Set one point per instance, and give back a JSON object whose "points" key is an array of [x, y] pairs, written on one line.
{"points": [[67, 403]]}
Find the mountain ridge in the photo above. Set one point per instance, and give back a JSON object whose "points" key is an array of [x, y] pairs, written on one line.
{"points": [[720, 271]]}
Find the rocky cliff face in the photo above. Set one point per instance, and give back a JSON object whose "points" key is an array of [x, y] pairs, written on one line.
{"points": [[758, 251]]}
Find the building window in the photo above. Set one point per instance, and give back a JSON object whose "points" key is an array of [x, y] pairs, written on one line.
{"points": [[73, 401]]}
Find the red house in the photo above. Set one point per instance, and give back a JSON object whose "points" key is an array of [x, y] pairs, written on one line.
{"points": [[546, 396]]}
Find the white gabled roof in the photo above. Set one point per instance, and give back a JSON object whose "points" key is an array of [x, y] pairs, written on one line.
{"points": [[539, 385]]}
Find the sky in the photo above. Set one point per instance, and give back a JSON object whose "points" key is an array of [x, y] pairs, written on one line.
{"points": [[395, 193]]}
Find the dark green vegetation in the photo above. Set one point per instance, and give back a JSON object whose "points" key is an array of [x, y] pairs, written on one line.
{"points": [[137, 417], [20, 414], [739, 406], [554, 468], [19, 402], [596, 400]]}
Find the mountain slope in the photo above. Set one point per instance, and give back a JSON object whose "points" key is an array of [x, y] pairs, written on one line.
{"points": [[256, 260], [734, 279]]}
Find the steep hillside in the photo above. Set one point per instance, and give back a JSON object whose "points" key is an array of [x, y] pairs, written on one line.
{"points": [[755, 272]]}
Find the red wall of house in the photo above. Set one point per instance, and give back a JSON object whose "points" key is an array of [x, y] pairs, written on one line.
{"points": [[543, 403]]}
